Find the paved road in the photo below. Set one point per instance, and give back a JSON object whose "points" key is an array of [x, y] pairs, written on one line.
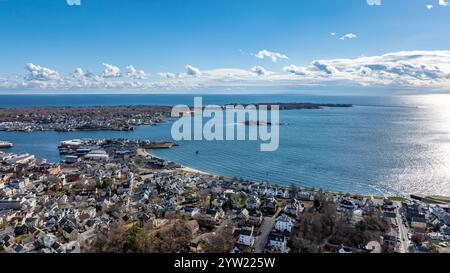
{"points": [[266, 227], [403, 234]]}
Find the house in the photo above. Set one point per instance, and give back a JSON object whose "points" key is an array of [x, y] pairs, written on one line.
{"points": [[216, 214], [7, 242], [293, 208], [441, 214], [281, 193], [205, 221], [191, 212], [388, 205], [252, 203], [390, 241], [305, 196], [47, 240], [284, 223], [278, 242], [418, 222], [347, 204], [243, 216], [14, 203], [193, 226], [70, 232], [246, 237], [255, 218], [269, 205], [218, 202], [145, 219], [445, 230], [57, 247], [18, 248], [97, 155]]}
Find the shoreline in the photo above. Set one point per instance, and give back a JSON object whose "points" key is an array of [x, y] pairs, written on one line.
{"points": [[143, 152], [431, 198]]}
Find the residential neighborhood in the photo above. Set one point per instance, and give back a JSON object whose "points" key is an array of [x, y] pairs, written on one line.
{"points": [[110, 195]]}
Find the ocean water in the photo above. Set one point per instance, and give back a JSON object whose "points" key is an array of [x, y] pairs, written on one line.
{"points": [[382, 145]]}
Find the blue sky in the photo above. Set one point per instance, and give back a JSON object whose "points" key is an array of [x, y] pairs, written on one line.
{"points": [[213, 35]]}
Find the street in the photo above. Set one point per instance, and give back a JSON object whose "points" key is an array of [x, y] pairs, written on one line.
{"points": [[403, 233], [266, 227]]}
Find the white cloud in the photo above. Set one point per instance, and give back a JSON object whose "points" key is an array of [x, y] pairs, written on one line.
{"points": [[348, 36], [228, 74], [259, 70], [443, 3], [406, 68], [78, 73], [40, 73], [168, 75], [110, 71], [429, 7], [296, 70], [136, 74], [374, 2], [275, 56], [192, 71], [86, 77]]}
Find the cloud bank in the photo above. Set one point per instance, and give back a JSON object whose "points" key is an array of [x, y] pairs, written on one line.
{"points": [[419, 70]]}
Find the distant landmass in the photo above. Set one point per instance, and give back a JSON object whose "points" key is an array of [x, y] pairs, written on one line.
{"points": [[118, 118], [294, 105]]}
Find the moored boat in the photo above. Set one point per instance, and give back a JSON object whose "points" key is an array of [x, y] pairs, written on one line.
{"points": [[159, 145], [6, 144]]}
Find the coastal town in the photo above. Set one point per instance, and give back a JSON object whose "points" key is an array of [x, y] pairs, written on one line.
{"points": [[117, 118], [111, 195], [86, 118]]}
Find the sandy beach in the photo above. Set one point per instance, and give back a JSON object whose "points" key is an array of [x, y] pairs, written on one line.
{"points": [[145, 153]]}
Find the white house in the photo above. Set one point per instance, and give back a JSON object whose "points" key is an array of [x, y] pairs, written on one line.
{"points": [[284, 223], [246, 237], [278, 241]]}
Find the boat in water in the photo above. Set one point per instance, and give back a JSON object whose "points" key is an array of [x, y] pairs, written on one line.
{"points": [[6, 144]]}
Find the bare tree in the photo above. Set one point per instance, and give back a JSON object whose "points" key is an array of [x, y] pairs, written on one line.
{"points": [[112, 241]]}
